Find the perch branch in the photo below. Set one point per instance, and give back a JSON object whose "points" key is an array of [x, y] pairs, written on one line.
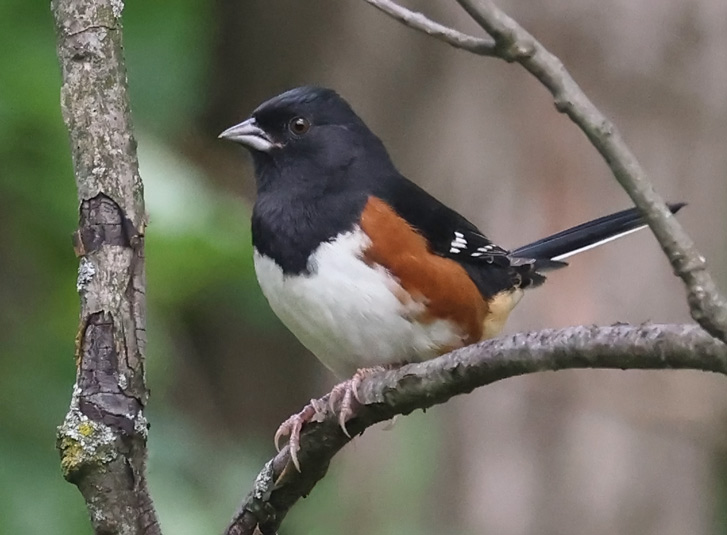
{"points": [[102, 440], [419, 386]]}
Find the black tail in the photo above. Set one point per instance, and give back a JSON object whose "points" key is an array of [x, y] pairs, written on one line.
{"points": [[550, 252]]}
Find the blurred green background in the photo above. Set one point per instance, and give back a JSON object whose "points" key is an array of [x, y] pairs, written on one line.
{"points": [[573, 452]]}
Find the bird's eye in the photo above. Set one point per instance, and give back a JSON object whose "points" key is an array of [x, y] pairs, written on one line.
{"points": [[299, 125]]}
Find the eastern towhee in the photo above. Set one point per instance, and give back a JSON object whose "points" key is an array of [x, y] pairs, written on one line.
{"points": [[365, 267]]}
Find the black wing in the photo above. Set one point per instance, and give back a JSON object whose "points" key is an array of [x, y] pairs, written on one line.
{"points": [[492, 268]]}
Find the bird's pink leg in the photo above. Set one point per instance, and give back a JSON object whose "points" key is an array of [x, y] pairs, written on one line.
{"points": [[345, 396], [342, 401], [293, 425]]}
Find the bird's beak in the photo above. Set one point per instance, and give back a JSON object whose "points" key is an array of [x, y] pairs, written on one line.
{"points": [[248, 133]]}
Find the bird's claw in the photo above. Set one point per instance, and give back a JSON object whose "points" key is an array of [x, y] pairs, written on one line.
{"points": [[342, 396], [292, 427], [342, 400], [345, 395]]}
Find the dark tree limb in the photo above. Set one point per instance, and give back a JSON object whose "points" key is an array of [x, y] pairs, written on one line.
{"points": [[102, 440], [419, 386], [514, 44]]}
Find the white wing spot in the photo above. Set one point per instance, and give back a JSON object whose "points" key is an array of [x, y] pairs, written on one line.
{"points": [[454, 250], [459, 241]]}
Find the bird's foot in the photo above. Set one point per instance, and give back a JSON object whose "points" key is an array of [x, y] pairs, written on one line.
{"points": [[345, 396], [342, 400], [313, 412]]}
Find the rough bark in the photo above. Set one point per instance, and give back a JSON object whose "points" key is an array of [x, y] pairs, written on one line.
{"points": [[102, 440]]}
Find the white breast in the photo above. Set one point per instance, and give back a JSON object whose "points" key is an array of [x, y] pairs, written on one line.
{"points": [[347, 312]]}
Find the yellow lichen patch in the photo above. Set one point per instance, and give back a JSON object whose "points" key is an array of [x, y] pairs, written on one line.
{"points": [[86, 429], [72, 457], [84, 444]]}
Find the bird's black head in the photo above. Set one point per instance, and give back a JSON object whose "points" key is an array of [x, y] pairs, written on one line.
{"points": [[309, 137]]}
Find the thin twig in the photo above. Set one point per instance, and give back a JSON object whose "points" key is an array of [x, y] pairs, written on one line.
{"points": [[418, 386], [418, 21]]}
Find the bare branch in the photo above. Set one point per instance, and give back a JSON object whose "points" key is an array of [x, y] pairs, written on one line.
{"points": [[418, 386], [102, 440], [418, 21], [513, 43]]}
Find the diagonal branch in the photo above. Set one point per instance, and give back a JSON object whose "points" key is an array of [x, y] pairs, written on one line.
{"points": [[513, 43], [419, 386], [418, 21]]}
